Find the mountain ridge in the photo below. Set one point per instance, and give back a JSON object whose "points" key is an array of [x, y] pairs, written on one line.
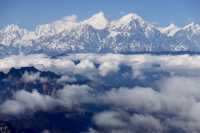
{"points": [[130, 33]]}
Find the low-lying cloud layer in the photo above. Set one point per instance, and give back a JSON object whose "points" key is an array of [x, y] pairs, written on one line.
{"points": [[137, 93], [85, 63]]}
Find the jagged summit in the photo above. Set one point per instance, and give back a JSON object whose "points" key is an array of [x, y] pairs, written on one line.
{"points": [[98, 21], [127, 19], [170, 30], [192, 27], [58, 26], [131, 16], [12, 28]]}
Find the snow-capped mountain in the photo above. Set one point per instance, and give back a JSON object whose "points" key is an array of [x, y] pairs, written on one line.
{"points": [[130, 33], [170, 30], [12, 34]]}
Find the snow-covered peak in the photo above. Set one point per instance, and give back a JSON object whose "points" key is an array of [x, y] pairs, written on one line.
{"points": [[13, 28], [56, 27], [192, 24], [11, 34], [98, 21], [170, 30], [131, 16], [192, 27], [66, 23], [125, 20]]}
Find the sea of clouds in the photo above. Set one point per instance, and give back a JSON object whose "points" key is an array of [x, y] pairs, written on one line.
{"points": [[138, 93]]}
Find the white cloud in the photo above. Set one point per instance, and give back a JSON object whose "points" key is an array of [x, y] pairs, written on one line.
{"points": [[12, 107], [28, 101], [74, 95], [177, 96], [147, 122], [86, 68], [181, 86], [66, 78], [108, 63], [117, 122], [145, 99], [70, 97], [109, 119], [172, 101], [108, 67], [31, 77]]}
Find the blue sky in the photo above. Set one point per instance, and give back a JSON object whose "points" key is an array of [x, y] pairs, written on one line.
{"points": [[29, 13]]}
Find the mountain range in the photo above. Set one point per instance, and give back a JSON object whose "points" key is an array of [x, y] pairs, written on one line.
{"points": [[97, 34]]}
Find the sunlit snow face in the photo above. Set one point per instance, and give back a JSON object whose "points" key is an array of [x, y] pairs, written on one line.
{"points": [[125, 93]]}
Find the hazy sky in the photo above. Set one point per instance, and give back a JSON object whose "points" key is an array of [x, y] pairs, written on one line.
{"points": [[29, 13]]}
